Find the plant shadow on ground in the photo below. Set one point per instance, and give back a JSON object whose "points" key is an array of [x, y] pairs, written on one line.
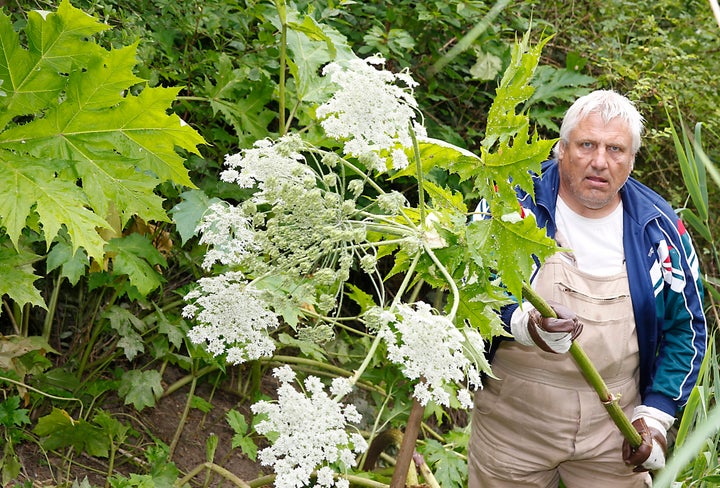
{"points": [[159, 423]]}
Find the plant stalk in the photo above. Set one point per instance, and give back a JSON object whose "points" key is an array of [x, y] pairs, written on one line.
{"points": [[407, 448], [610, 401]]}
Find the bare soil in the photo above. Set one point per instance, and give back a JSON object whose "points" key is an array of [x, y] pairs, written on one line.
{"points": [[161, 422]]}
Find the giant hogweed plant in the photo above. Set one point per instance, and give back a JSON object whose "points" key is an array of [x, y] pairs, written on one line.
{"points": [[325, 251]]}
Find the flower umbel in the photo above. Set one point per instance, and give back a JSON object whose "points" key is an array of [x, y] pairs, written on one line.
{"points": [[232, 318], [428, 347], [228, 233], [370, 112], [311, 436]]}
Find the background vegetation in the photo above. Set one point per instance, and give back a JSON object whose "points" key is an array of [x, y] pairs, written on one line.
{"points": [[114, 342]]}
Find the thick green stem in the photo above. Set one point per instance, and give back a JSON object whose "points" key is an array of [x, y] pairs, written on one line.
{"points": [[610, 401], [451, 282], [215, 468]]}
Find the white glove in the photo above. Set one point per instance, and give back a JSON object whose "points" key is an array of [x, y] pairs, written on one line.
{"points": [[529, 328], [655, 423]]}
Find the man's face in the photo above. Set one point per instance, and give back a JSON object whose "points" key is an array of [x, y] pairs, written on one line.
{"points": [[594, 165]]}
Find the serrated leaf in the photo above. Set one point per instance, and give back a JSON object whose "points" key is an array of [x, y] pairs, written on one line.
{"points": [[11, 415], [441, 154], [77, 144], [132, 344], [59, 430], [514, 89], [510, 247], [313, 45], [449, 468], [237, 421], [140, 388], [30, 183], [189, 212], [57, 43], [478, 309], [364, 300], [135, 256], [513, 165], [445, 198], [73, 264], [16, 268]]}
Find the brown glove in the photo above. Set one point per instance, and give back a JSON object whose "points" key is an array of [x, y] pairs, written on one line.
{"points": [[651, 453], [554, 334]]}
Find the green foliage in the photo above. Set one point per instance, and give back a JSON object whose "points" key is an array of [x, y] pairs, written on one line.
{"points": [[83, 142], [58, 429], [241, 438], [140, 388], [91, 158], [661, 54], [449, 467], [12, 421], [695, 453]]}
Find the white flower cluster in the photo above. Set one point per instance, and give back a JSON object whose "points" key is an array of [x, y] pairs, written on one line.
{"points": [[267, 162], [369, 112], [311, 435], [428, 347], [228, 233], [232, 317]]}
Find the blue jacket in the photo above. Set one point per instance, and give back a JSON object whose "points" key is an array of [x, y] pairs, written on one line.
{"points": [[665, 287]]}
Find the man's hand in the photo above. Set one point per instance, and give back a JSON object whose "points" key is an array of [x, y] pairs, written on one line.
{"points": [[554, 335], [652, 425]]}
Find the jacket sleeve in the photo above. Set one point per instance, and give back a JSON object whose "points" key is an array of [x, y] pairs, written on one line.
{"points": [[682, 340]]}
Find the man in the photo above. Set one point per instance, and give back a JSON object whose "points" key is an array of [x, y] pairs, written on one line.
{"points": [[630, 282]]}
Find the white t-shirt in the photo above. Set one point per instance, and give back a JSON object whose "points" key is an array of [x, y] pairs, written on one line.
{"points": [[597, 244]]}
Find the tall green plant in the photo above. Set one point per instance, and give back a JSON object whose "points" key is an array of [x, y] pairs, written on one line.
{"points": [[694, 461], [323, 227]]}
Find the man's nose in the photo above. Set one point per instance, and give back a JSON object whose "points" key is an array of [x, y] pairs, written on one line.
{"points": [[600, 160]]}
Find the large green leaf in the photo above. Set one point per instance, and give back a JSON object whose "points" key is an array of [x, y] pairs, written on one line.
{"points": [[18, 277], [84, 142], [509, 245], [57, 44], [30, 186]]}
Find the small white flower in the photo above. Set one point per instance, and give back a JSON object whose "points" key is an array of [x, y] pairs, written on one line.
{"points": [[341, 387], [228, 233], [370, 113], [310, 434], [232, 318], [266, 163], [429, 348]]}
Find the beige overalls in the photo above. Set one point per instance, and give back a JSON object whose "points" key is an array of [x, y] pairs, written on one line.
{"points": [[540, 421]]}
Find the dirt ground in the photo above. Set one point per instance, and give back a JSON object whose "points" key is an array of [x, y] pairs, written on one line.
{"points": [[161, 422]]}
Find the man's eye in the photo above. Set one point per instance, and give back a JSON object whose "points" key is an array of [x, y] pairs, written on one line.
{"points": [[587, 144]]}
